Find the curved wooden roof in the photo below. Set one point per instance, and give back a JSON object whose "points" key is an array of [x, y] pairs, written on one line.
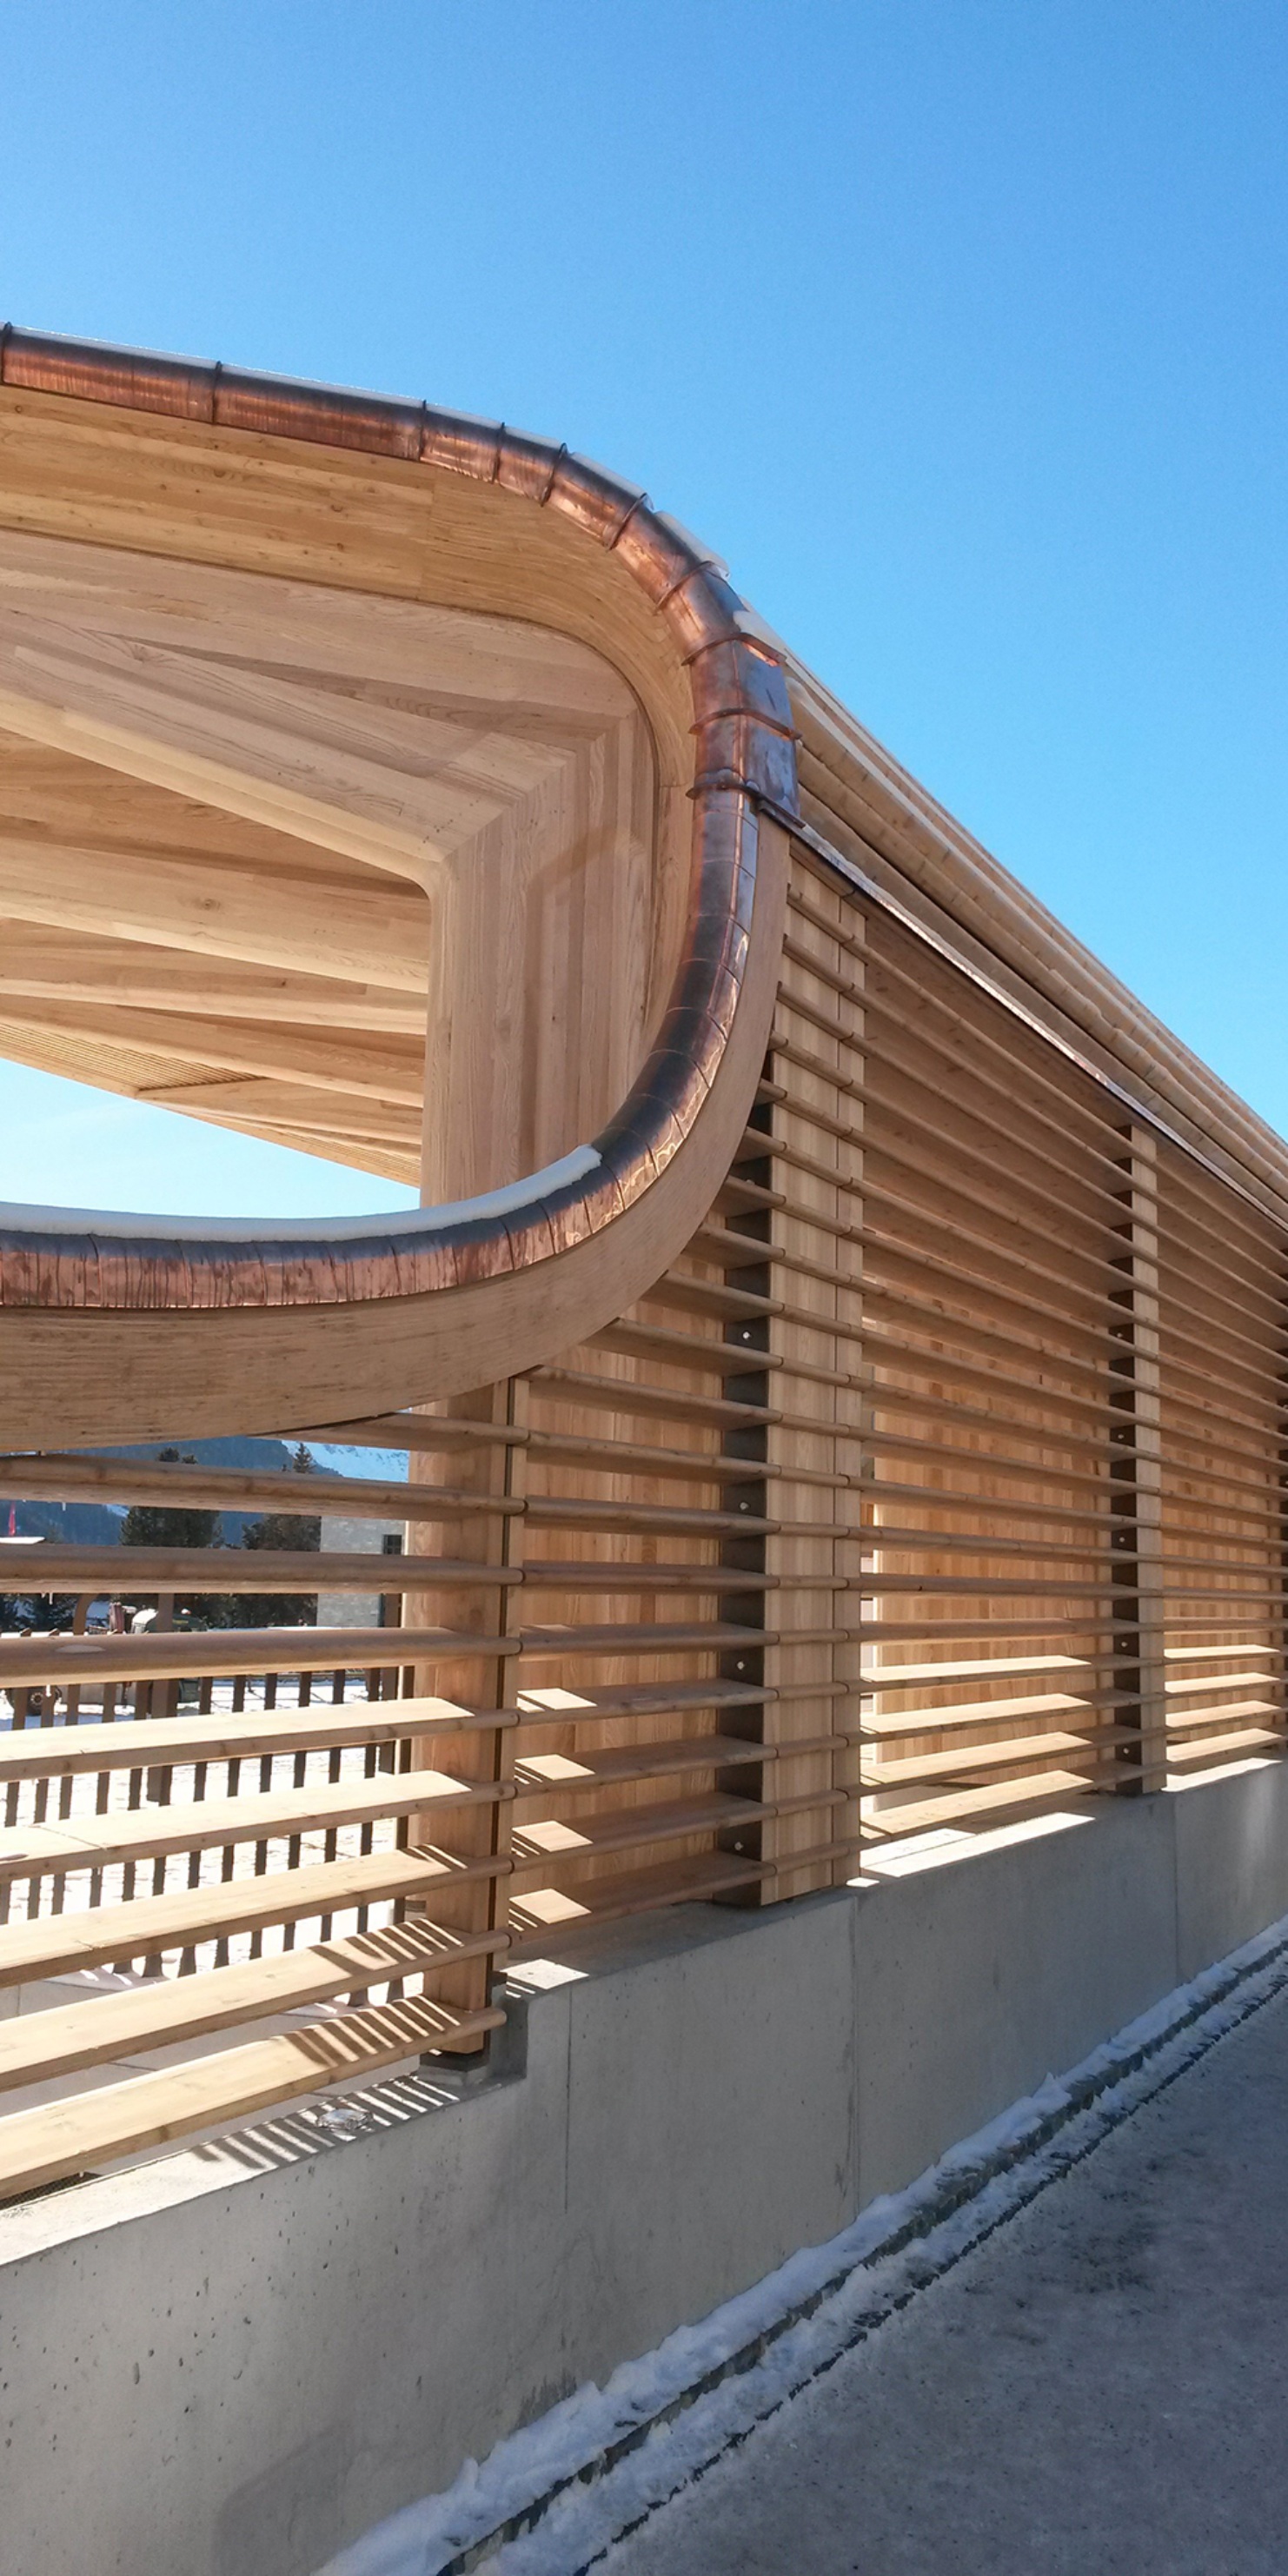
{"points": [[271, 658]]}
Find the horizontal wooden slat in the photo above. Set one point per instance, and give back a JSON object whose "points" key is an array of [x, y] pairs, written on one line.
{"points": [[27, 1662], [704, 1356], [1032, 1753], [1222, 1654], [569, 1777], [51, 1567], [607, 1900], [888, 1677], [232, 1489], [631, 1638], [1245, 1744], [635, 1575], [634, 1519], [165, 2011], [1208, 1682], [232, 2084], [1104, 1519], [903, 1538], [40, 1753], [56, 1944], [1047, 1587], [1042, 1097], [1073, 1427], [973, 1807], [676, 1404], [683, 1292], [1184, 1725], [565, 1847], [991, 1712], [89, 1842], [623, 1457], [1007, 1627], [609, 1703]]}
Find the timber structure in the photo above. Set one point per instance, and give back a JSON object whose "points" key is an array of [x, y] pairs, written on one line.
{"points": [[840, 1348]]}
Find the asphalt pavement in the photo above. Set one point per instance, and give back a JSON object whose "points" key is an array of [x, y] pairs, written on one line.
{"points": [[1100, 2389]]}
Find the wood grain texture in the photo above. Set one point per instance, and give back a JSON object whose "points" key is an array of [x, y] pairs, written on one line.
{"points": [[882, 818], [71, 1378], [458, 809], [1221, 1444], [816, 1169], [934, 1483]]}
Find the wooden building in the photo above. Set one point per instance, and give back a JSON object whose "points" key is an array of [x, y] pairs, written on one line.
{"points": [[841, 1348]]}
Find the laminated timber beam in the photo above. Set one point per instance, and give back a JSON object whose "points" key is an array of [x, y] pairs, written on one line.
{"points": [[535, 787]]}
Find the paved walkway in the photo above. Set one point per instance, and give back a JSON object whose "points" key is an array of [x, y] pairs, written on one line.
{"points": [[1100, 2390]]}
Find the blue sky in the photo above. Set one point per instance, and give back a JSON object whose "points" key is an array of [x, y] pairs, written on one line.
{"points": [[957, 325]]}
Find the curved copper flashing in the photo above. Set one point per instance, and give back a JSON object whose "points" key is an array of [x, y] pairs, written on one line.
{"points": [[745, 753]]}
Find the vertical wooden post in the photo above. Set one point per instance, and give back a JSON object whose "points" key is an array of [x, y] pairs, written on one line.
{"points": [[748, 1384], [1138, 1603], [1279, 1625], [849, 1454], [814, 1278], [497, 1469]]}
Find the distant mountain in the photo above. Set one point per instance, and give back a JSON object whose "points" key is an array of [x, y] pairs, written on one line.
{"points": [[99, 1524], [243, 1449]]}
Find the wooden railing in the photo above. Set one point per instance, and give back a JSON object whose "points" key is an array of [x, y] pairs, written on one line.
{"points": [[938, 1483]]}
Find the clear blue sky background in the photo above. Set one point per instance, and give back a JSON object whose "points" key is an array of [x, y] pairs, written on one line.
{"points": [[957, 325]]}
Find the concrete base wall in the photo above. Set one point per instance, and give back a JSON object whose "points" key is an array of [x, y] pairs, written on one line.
{"points": [[236, 2360]]}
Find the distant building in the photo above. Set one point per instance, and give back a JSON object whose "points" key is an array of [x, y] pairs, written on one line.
{"points": [[344, 1537]]}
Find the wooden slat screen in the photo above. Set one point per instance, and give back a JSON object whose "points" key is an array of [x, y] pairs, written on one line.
{"points": [[989, 1613], [1222, 1365], [937, 1484]]}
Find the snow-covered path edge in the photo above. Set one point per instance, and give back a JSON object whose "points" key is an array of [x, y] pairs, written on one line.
{"points": [[552, 2498]]}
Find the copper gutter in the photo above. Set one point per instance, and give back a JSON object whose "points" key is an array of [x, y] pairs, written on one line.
{"points": [[745, 755]]}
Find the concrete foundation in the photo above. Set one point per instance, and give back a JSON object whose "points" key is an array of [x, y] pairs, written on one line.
{"points": [[234, 2360]]}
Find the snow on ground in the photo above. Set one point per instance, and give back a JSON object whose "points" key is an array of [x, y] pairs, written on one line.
{"points": [[1097, 2391], [855, 2505]]}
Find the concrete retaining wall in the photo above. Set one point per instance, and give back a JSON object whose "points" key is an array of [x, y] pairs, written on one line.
{"points": [[235, 2360]]}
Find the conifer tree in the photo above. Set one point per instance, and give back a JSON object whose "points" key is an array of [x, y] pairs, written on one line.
{"points": [[293, 1533], [169, 1524]]}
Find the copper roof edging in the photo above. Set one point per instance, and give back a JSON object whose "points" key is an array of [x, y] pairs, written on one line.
{"points": [[745, 754]]}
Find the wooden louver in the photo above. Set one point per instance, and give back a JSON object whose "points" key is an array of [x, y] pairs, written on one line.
{"points": [[936, 1485], [919, 1470]]}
